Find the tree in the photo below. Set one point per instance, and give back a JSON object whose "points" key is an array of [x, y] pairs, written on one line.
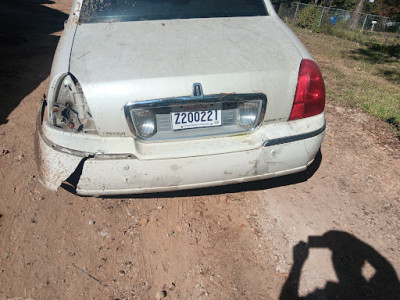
{"points": [[385, 8], [357, 14], [344, 4]]}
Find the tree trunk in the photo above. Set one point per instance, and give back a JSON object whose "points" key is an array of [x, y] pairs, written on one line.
{"points": [[357, 14]]}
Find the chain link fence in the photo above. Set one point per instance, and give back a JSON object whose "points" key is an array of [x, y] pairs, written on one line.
{"points": [[320, 17]]}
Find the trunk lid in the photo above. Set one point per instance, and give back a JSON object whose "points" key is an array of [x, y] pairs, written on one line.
{"points": [[120, 63]]}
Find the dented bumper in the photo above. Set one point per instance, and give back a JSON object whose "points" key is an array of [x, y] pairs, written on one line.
{"points": [[125, 166]]}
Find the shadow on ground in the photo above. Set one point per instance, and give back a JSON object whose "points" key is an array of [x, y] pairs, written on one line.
{"points": [[26, 49], [387, 64], [349, 255]]}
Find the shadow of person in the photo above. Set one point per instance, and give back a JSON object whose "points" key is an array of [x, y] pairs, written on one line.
{"points": [[349, 255], [26, 49]]}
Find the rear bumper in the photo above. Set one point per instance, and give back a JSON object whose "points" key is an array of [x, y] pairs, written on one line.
{"points": [[272, 150], [133, 176]]}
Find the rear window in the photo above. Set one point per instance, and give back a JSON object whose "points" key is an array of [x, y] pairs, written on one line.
{"points": [[96, 11]]}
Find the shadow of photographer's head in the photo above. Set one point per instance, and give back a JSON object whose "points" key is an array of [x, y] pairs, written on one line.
{"points": [[349, 255]]}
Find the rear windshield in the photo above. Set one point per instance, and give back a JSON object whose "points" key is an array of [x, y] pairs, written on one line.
{"points": [[96, 11]]}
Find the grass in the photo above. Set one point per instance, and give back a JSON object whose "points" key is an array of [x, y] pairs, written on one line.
{"points": [[357, 75]]}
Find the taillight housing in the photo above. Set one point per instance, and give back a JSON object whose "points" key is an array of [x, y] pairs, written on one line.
{"points": [[309, 99], [69, 110]]}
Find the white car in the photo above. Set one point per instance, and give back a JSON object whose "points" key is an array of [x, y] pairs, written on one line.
{"points": [[162, 95]]}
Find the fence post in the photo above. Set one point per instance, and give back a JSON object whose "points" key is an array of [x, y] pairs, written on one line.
{"points": [[297, 8], [385, 20], [320, 19], [365, 21]]}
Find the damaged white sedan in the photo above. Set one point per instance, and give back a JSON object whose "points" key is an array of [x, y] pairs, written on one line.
{"points": [[161, 95]]}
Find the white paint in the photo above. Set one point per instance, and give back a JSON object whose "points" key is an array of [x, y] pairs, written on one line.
{"points": [[121, 63]]}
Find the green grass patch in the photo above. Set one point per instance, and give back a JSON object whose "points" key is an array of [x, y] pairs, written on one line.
{"points": [[357, 75]]}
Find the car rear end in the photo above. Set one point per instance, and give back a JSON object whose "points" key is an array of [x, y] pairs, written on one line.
{"points": [[170, 104]]}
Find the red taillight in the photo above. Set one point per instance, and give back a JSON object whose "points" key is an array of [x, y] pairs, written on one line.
{"points": [[310, 92]]}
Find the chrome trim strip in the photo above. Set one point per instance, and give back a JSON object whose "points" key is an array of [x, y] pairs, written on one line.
{"points": [[295, 138], [193, 100]]}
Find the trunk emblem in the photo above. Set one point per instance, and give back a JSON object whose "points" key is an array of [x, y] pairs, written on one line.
{"points": [[197, 90]]}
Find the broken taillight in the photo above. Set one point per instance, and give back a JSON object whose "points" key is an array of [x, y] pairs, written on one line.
{"points": [[69, 110], [309, 99]]}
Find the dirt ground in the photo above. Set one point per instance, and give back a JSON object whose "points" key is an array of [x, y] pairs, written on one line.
{"points": [[331, 232]]}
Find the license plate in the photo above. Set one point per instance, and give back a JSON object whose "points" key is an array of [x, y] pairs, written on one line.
{"points": [[196, 117]]}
